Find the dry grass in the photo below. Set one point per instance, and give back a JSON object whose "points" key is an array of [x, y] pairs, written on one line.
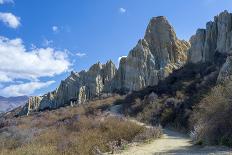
{"points": [[79, 130], [212, 117]]}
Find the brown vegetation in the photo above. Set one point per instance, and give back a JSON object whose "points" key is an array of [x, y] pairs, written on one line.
{"points": [[78, 130], [212, 117], [176, 96]]}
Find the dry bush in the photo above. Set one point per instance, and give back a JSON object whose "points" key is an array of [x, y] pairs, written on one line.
{"points": [[149, 134], [212, 117], [70, 130], [117, 129]]}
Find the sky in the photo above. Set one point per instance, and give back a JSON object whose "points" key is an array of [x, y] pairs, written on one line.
{"points": [[41, 41]]}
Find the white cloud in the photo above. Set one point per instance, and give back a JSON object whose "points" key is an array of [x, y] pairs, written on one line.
{"points": [[18, 63], [55, 29], [4, 78], [10, 20], [6, 1], [47, 42], [24, 89], [122, 10], [80, 54]]}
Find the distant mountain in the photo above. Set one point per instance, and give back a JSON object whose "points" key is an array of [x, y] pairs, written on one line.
{"points": [[7, 104]]}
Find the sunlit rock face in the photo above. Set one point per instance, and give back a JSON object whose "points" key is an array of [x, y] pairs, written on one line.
{"points": [[153, 58], [214, 45], [78, 87], [216, 38]]}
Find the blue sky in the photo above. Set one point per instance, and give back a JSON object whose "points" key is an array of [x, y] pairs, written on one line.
{"points": [[43, 40]]}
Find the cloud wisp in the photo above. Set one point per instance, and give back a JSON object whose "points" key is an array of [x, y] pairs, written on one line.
{"points": [[79, 54], [6, 1], [24, 88], [55, 29], [122, 10], [10, 20]]}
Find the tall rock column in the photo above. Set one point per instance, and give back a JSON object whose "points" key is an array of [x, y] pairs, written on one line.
{"points": [[153, 58], [215, 39]]}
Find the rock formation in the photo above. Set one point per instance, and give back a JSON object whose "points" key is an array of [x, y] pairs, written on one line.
{"points": [[214, 45], [225, 73], [216, 38], [152, 59], [78, 87]]}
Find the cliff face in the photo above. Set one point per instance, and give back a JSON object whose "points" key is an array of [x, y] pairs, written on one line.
{"points": [[216, 38], [152, 59], [214, 45], [76, 89]]}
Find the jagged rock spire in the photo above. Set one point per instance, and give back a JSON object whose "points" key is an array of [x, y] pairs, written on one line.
{"points": [[152, 59], [216, 38]]}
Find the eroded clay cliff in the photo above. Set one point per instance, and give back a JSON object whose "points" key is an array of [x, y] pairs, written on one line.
{"points": [[152, 59], [216, 38]]}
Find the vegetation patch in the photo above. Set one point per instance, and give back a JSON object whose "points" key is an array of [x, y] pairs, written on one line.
{"points": [[82, 130], [212, 117]]}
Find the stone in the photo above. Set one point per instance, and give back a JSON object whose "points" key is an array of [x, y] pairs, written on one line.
{"points": [[197, 46], [80, 87], [225, 73], [216, 38], [153, 58]]}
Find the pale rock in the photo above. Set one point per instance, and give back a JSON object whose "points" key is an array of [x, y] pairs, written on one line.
{"points": [[216, 38], [77, 87], [225, 73], [153, 58], [197, 46]]}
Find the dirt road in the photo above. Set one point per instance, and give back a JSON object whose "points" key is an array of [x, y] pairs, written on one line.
{"points": [[173, 143]]}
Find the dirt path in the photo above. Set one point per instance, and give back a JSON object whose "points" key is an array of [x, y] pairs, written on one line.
{"points": [[172, 142]]}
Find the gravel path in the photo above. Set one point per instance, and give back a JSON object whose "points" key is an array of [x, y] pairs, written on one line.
{"points": [[172, 142]]}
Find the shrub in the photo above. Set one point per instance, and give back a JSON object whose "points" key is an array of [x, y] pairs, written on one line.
{"points": [[149, 134], [70, 130], [212, 117]]}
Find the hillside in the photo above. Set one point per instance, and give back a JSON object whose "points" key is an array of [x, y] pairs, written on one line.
{"points": [[164, 81], [7, 104]]}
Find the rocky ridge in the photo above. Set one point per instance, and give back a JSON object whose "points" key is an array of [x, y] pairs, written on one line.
{"points": [[78, 88], [153, 58], [214, 45], [213, 41]]}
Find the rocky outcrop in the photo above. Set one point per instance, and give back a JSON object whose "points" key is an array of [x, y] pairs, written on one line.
{"points": [[225, 73], [214, 45], [216, 38], [78, 88], [153, 58]]}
